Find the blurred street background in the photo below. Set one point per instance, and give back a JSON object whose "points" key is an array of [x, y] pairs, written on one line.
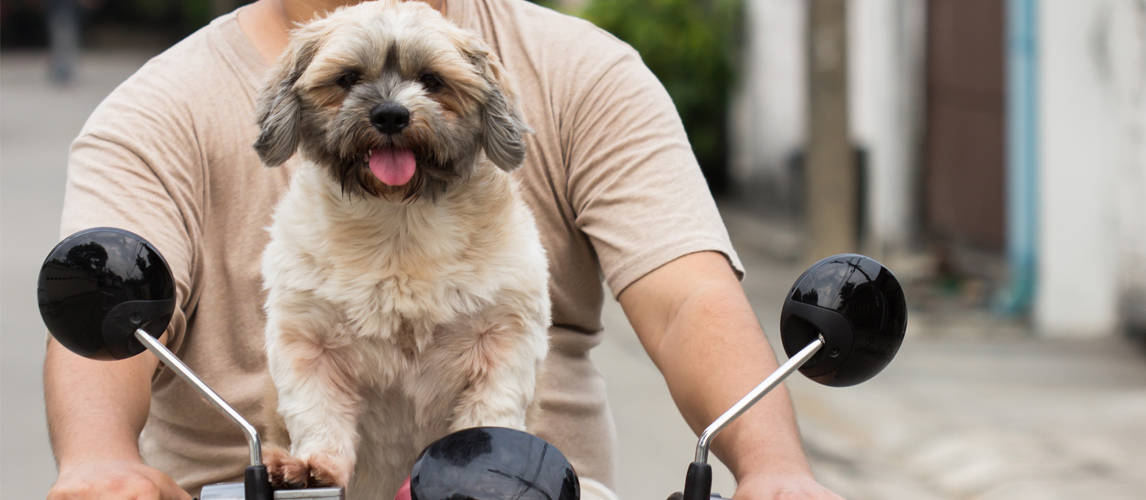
{"points": [[992, 153]]}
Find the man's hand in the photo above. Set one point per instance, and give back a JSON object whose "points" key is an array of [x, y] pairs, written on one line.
{"points": [[96, 410], [795, 487], [115, 480], [694, 320]]}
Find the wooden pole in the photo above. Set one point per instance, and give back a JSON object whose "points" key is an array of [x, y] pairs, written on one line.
{"points": [[831, 173]]}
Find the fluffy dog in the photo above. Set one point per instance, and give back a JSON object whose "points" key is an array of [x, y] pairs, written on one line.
{"points": [[407, 285]]}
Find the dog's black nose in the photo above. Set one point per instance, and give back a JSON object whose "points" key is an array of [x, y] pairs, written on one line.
{"points": [[390, 118]]}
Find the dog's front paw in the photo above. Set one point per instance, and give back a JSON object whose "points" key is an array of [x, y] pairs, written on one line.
{"points": [[316, 470], [329, 470], [285, 470]]}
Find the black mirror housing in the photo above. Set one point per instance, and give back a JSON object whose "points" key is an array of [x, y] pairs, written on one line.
{"points": [[858, 307], [98, 286]]}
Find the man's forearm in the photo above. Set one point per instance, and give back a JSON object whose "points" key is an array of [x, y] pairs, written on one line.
{"points": [[96, 409], [714, 353], [697, 325]]}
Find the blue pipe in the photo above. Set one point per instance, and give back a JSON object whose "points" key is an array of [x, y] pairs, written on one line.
{"points": [[1022, 158]]}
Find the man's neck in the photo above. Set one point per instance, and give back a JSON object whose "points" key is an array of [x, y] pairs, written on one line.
{"points": [[267, 23]]}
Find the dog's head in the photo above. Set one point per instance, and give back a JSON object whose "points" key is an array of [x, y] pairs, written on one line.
{"points": [[393, 99]]}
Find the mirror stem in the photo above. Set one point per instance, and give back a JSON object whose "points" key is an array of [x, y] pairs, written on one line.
{"points": [[759, 392], [156, 347]]}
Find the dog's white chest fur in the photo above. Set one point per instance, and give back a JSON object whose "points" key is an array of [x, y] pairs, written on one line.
{"points": [[391, 323]]}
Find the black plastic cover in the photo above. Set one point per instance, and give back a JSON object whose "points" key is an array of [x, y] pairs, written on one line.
{"points": [[257, 483], [493, 463], [698, 482], [98, 286], [859, 308]]}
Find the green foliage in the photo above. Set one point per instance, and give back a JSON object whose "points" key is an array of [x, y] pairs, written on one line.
{"points": [[196, 13], [692, 46]]}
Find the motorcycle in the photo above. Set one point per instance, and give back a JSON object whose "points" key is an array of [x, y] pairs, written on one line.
{"points": [[108, 294]]}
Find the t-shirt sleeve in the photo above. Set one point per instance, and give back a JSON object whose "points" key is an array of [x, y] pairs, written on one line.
{"points": [[634, 183], [136, 166]]}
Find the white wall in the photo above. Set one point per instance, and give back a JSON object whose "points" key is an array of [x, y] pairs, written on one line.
{"points": [[1124, 43], [886, 51], [1092, 138], [770, 107], [1078, 163], [886, 72]]}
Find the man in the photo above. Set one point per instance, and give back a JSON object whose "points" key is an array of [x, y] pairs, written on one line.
{"points": [[609, 175]]}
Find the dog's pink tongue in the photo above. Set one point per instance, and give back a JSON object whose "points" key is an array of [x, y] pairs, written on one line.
{"points": [[404, 491], [394, 167]]}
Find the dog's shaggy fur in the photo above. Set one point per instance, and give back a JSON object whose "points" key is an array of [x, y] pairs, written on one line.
{"points": [[400, 311]]}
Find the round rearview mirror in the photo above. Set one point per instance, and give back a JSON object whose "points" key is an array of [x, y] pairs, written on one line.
{"points": [[100, 285], [492, 463], [858, 307]]}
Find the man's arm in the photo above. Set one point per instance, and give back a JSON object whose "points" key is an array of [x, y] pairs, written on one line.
{"points": [[96, 410], [693, 319]]}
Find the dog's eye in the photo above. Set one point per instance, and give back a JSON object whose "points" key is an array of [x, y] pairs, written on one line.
{"points": [[348, 80], [431, 82]]}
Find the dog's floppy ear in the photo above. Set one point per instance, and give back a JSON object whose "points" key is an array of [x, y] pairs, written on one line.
{"points": [[279, 109], [503, 131]]}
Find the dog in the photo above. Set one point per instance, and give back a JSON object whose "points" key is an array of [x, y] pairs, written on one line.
{"points": [[407, 286]]}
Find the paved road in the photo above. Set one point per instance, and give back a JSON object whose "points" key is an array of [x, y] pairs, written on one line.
{"points": [[969, 410]]}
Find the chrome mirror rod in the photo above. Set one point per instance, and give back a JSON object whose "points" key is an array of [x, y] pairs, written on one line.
{"points": [[755, 395], [168, 358]]}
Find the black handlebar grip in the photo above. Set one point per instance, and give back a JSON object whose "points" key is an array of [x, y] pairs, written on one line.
{"points": [[698, 482], [257, 483], [680, 496]]}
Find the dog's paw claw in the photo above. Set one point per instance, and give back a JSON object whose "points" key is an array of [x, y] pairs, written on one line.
{"points": [[319, 470], [285, 470], [328, 470]]}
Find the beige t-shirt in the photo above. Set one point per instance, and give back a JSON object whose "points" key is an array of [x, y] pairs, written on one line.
{"points": [[609, 175]]}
